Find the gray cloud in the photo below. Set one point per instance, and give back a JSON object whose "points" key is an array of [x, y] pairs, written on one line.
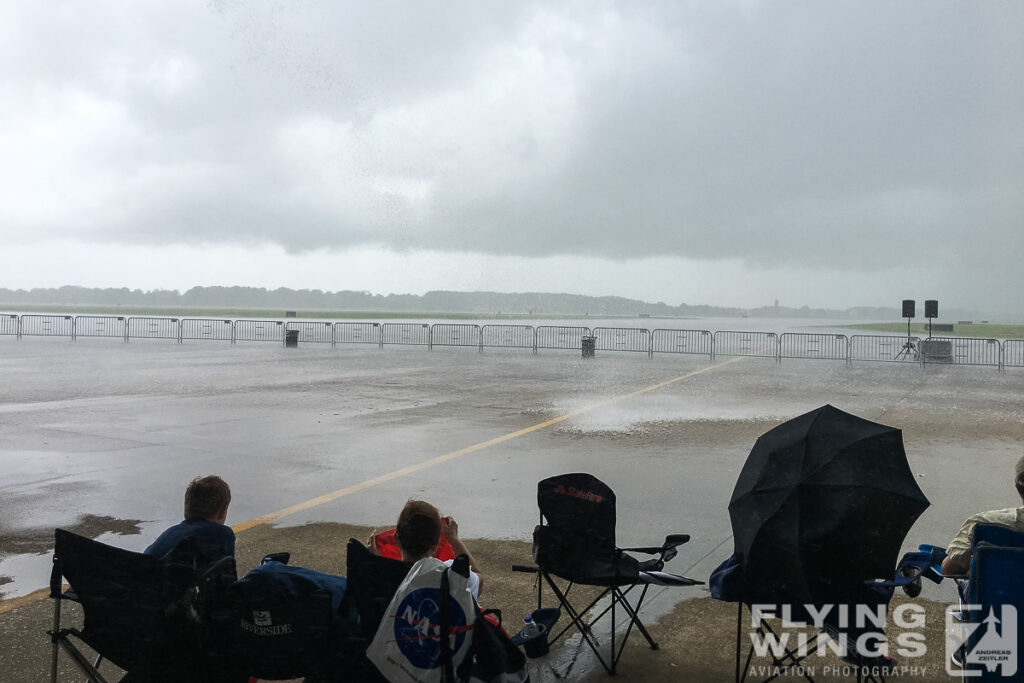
{"points": [[850, 135]]}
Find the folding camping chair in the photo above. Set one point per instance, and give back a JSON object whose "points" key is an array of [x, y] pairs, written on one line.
{"points": [[993, 584], [575, 542], [139, 610]]}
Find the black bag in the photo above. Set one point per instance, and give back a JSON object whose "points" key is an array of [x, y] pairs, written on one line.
{"points": [[492, 656]]}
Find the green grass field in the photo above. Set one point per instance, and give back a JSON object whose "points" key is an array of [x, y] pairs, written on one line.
{"points": [[983, 330], [277, 313]]}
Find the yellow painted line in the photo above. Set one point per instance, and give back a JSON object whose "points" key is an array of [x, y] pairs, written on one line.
{"points": [[370, 483]]}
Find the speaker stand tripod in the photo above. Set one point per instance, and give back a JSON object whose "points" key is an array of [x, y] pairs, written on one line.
{"points": [[909, 350]]}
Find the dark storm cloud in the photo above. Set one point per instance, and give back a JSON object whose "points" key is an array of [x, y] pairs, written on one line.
{"points": [[846, 135]]}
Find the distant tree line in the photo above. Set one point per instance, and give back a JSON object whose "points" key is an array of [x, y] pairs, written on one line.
{"points": [[515, 304]]}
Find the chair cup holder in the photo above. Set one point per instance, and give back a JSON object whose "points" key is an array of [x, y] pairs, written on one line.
{"points": [[538, 645]]}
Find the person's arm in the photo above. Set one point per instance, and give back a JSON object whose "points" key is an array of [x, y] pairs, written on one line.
{"points": [[957, 565], [371, 543], [450, 530], [958, 554]]}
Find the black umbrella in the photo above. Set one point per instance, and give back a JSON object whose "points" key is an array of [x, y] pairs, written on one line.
{"points": [[823, 504]]}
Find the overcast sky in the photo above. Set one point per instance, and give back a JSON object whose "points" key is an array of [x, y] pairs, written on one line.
{"points": [[733, 153]]}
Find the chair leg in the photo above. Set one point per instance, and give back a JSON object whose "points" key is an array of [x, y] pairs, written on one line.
{"points": [[634, 615], [53, 640], [576, 619], [576, 616], [739, 622], [789, 659], [94, 676]]}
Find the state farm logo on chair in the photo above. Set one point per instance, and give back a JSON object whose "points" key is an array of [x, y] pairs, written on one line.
{"points": [[578, 493], [981, 639]]}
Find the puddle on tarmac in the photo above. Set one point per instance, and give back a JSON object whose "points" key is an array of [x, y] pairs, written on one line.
{"points": [[33, 546]]}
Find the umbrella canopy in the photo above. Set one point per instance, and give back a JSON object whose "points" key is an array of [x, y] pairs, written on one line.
{"points": [[823, 504]]}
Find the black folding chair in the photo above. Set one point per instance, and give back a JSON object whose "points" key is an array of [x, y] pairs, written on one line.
{"points": [[139, 611], [575, 542], [991, 585]]}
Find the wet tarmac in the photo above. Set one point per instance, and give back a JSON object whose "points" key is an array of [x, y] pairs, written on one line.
{"points": [[102, 437]]}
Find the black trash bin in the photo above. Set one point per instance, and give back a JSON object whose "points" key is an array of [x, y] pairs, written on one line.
{"points": [[291, 338], [589, 344]]}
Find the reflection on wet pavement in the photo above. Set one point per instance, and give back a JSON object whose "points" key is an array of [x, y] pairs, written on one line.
{"points": [[40, 540]]}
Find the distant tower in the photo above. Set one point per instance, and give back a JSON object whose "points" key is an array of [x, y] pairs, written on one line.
{"points": [[776, 303]]}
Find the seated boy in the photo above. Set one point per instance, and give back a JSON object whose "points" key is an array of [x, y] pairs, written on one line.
{"points": [[206, 510], [418, 532]]}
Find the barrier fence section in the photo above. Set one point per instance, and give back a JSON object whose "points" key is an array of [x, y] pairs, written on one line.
{"points": [[557, 337], [207, 328], [409, 334], [885, 348], [9, 324], [357, 333], [101, 326], [451, 334], [154, 328], [683, 341], [313, 332], [259, 331], [814, 345], [1013, 353], [622, 339], [875, 348], [47, 326], [760, 344], [508, 337], [962, 351]]}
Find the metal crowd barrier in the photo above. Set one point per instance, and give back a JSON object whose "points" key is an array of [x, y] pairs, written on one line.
{"points": [[357, 333], [313, 332], [101, 326], [409, 334], [758, 344], [259, 331], [557, 337], [508, 337], [154, 328], [962, 351], [207, 328], [885, 348], [1013, 353], [622, 339], [683, 341], [47, 326], [9, 325], [454, 334], [874, 348], [814, 345]]}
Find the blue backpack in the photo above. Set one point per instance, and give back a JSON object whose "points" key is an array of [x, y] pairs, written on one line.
{"points": [[291, 625]]}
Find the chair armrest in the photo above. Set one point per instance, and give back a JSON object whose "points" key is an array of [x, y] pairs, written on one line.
{"points": [[671, 542], [649, 550]]}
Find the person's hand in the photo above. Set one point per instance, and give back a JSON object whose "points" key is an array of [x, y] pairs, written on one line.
{"points": [[371, 543], [450, 528]]}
